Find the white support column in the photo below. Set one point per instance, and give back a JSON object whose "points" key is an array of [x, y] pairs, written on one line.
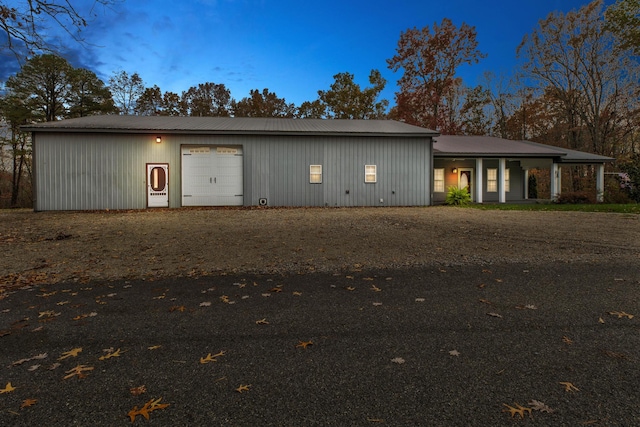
{"points": [[553, 187], [479, 180], [600, 183], [502, 195], [526, 184]]}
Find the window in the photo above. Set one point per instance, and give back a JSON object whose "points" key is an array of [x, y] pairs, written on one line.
{"points": [[315, 174], [492, 180], [438, 180], [370, 175], [507, 186]]}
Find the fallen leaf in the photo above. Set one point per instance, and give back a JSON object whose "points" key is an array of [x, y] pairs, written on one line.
{"points": [[28, 402], [110, 355], [519, 409], [71, 353], [137, 391], [374, 288], [567, 340], [485, 301], [569, 387], [211, 358], [621, 314], [398, 360], [304, 344], [205, 304], [499, 316], [350, 288], [377, 304], [154, 347], [7, 389], [420, 300], [180, 308], [297, 293], [148, 407], [78, 371], [262, 322], [243, 388], [539, 406], [33, 368], [454, 353]]}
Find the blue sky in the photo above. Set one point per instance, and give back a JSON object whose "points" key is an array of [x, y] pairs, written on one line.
{"points": [[293, 48]]}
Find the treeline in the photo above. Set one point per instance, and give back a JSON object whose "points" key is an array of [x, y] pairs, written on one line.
{"points": [[577, 86]]}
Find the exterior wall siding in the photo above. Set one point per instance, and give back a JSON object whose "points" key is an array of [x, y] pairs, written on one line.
{"points": [[86, 171], [516, 178]]}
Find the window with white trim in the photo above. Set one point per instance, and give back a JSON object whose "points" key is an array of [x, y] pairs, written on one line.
{"points": [[492, 180], [438, 180], [315, 174], [507, 186], [370, 174]]}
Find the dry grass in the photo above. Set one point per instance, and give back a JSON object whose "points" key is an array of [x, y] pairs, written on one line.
{"points": [[50, 247]]}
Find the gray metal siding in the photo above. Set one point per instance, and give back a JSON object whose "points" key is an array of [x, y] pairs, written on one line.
{"points": [[516, 178], [83, 171]]}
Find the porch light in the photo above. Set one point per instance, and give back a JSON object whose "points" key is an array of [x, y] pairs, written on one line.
{"points": [[158, 139], [454, 170]]}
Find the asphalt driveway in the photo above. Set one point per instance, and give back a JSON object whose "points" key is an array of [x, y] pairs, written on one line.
{"points": [[438, 346]]}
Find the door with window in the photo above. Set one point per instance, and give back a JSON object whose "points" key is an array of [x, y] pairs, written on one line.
{"points": [[157, 185], [465, 180]]}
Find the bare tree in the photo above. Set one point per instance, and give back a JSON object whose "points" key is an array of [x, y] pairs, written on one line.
{"points": [[25, 22], [577, 63]]}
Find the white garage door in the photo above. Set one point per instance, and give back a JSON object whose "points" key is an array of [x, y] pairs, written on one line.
{"points": [[212, 176]]}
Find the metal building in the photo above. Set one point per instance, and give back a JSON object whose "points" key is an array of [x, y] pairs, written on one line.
{"points": [[134, 162]]}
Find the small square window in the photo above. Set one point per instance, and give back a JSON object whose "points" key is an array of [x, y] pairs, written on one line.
{"points": [[315, 174], [370, 175]]}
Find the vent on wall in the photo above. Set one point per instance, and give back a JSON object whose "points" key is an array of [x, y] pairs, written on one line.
{"points": [[262, 201]]}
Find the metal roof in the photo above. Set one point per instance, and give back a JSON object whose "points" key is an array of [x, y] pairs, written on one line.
{"points": [[491, 147], [229, 125]]}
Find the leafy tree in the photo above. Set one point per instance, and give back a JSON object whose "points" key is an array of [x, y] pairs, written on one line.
{"points": [[15, 113], [429, 61], [24, 23], [126, 89], [172, 105], [43, 85], [475, 119], [262, 104], [623, 19], [632, 168], [88, 95], [207, 99], [346, 100], [150, 102], [588, 79], [312, 110]]}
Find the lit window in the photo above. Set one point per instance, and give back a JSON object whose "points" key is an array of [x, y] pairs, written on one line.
{"points": [[438, 180], [315, 174], [507, 186], [492, 180], [370, 174]]}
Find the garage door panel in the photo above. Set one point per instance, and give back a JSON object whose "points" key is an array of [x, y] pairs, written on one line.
{"points": [[212, 177]]}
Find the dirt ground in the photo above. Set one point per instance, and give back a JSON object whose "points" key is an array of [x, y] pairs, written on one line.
{"points": [[53, 247]]}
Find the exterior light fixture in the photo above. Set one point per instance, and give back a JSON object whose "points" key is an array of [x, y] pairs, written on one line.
{"points": [[158, 139], [454, 170]]}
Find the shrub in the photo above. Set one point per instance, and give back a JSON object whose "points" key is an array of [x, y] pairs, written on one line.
{"points": [[457, 196], [575, 198]]}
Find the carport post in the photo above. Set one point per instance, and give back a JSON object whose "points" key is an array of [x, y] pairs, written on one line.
{"points": [[479, 180], [526, 184], [555, 181], [502, 195]]}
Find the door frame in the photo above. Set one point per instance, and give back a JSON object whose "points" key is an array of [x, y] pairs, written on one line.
{"points": [[471, 181], [148, 168]]}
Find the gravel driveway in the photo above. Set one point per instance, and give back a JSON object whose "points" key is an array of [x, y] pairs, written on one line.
{"points": [[305, 317]]}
